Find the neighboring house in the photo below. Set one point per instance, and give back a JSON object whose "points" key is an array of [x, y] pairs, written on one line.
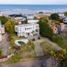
{"points": [[18, 18], [65, 20], [54, 28], [27, 30], [58, 28], [2, 31], [33, 21], [30, 16], [62, 26]]}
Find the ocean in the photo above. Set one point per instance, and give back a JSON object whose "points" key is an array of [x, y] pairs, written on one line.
{"points": [[32, 8]]}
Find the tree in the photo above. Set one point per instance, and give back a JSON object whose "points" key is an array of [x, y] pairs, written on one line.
{"points": [[54, 16], [45, 29], [65, 13], [9, 26], [3, 19]]}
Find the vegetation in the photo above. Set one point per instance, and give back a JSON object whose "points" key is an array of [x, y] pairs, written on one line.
{"points": [[65, 13], [47, 46], [45, 29], [9, 26], [15, 58], [3, 19], [59, 40], [55, 16], [60, 55], [24, 52]]}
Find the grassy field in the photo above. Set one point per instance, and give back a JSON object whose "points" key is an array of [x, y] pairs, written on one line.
{"points": [[47, 47], [26, 51]]}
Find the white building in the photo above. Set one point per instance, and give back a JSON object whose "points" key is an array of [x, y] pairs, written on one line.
{"points": [[27, 30], [33, 21], [2, 31]]}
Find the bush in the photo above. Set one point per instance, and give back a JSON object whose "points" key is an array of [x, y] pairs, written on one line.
{"points": [[55, 16], [57, 39]]}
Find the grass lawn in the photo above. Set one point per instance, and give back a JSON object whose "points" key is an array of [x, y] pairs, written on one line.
{"points": [[64, 43], [26, 51], [47, 47]]}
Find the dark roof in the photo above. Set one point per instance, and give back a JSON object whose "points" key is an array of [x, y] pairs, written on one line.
{"points": [[16, 15]]}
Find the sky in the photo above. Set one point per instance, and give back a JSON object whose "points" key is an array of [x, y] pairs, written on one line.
{"points": [[33, 1]]}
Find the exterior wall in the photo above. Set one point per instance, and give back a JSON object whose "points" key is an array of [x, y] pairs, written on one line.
{"points": [[27, 30]]}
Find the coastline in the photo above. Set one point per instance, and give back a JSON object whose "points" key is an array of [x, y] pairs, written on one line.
{"points": [[31, 13]]}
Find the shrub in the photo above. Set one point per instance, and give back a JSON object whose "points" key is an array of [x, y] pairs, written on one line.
{"points": [[45, 29], [57, 39], [55, 16]]}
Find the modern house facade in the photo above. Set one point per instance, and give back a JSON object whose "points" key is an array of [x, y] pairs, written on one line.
{"points": [[27, 30]]}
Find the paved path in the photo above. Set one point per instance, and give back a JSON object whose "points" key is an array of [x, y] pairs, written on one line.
{"points": [[40, 62], [38, 49], [53, 44], [4, 45], [50, 42], [29, 63]]}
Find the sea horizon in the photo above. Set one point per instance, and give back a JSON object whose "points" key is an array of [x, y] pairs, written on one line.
{"points": [[33, 7]]}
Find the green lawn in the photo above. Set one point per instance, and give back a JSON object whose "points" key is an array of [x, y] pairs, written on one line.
{"points": [[65, 43]]}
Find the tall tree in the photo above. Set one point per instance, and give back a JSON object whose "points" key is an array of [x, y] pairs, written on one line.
{"points": [[9, 26], [45, 29], [3, 19], [55, 16]]}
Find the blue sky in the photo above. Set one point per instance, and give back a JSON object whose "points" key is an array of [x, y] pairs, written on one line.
{"points": [[33, 1]]}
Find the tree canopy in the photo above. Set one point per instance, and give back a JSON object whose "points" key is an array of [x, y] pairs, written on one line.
{"points": [[65, 13], [45, 29], [55, 16], [3, 19], [9, 26]]}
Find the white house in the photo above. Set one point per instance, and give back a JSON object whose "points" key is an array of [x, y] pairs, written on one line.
{"points": [[2, 31], [33, 21], [27, 30]]}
